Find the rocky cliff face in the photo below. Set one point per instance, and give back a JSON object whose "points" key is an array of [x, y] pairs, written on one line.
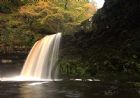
{"points": [[113, 45]]}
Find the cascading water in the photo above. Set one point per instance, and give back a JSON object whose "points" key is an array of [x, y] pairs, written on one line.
{"points": [[40, 63]]}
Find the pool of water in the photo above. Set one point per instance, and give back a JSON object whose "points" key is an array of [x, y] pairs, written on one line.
{"points": [[68, 89]]}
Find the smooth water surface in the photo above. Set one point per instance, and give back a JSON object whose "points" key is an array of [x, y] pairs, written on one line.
{"points": [[68, 89]]}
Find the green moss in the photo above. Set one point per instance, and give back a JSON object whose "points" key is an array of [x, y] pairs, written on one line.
{"points": [[5, 8]]}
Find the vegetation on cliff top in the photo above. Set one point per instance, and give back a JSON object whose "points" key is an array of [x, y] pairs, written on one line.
{"points": [[24, 22]]}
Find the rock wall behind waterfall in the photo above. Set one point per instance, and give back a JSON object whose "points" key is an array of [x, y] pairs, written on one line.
{"points": [[113, 45]]}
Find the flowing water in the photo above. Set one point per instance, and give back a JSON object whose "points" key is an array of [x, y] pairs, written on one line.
{"points": [[68, 89], [40, 63]]}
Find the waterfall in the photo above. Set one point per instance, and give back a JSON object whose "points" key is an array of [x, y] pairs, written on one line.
{"points": [[42, 58]]}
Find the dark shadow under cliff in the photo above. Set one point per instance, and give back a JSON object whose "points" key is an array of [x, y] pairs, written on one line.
{"points": [[113, 45]]}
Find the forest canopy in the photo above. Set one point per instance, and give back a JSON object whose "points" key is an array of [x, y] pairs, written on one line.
{"points": [[22, 22]]}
